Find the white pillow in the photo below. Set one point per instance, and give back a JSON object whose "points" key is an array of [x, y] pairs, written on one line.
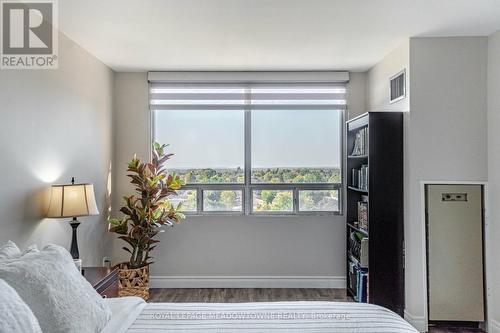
{"points": [[15, 315], [59, 296], [9, 250], [30, 249]]}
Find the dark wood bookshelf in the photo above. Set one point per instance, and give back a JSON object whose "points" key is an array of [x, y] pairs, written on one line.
{"points": [[384, 157]]}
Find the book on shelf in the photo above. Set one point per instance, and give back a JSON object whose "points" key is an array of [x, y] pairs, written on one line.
{"points": [[354, 178], [359, 178], [358, 247], [363, 215], [363, 253], [362, 292], [353, 277], [358, 282], [367, 288], [360, 142]]}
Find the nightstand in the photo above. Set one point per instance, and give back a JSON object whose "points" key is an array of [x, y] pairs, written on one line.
{"points": [[103, 279]]}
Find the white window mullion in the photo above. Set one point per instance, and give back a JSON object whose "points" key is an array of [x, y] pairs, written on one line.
{"points": [[248, 154], [295, 200], [199, 200]]}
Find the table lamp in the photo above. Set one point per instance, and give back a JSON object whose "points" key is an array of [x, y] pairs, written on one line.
{"points": [[72, 200]]}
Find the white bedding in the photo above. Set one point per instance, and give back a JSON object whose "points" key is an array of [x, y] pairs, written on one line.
{"points": [[132, 315], [124, 311]]}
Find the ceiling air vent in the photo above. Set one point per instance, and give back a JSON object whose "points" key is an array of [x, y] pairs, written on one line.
{"points": [[398, 86]]}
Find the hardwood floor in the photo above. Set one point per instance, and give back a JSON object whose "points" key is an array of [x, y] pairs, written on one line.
{"points": [[237, 295]]}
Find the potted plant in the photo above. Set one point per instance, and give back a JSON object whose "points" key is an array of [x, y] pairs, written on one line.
{"points": [[144, 214]]}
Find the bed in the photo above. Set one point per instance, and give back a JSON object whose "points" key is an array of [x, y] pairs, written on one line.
{"points": [[133, 315], [42, 291]]}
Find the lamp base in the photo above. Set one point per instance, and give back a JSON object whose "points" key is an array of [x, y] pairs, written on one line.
{"points": [[74, 242]]}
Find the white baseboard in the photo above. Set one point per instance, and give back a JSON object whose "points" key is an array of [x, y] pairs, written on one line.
{"points": [[418, 322], [248, 282], [494, 326]]}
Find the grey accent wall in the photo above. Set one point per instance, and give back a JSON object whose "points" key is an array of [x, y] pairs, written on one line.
{"points": [[55, 124], [493, 267], [221, 246]]}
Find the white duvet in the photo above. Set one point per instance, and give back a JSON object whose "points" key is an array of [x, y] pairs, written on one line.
{"points": [[133, 315]]}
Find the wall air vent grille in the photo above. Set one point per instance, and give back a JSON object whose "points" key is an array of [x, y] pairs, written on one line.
{"points": [[398, 86]]}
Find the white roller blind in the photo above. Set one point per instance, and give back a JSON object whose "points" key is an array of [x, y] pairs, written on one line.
{"points": [[302, 96], [249, 77]]}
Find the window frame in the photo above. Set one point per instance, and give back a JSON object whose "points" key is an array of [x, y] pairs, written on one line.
{"points": [[248, 187]]}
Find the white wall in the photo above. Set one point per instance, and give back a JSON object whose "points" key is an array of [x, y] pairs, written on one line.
{"points": [[446, 136], [377, 85], [215, 251], [356, 94], [55, 124], [493, 266]]}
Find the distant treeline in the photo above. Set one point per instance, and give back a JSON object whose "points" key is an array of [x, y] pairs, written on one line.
{"points": [[262, 175]]}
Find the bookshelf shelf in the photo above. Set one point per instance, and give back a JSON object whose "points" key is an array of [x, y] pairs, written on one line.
{"points": [[357, 156], [357, 189], [375, 161]]}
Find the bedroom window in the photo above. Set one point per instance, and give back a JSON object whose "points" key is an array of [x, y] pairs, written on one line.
{"points": [[259, 149]]}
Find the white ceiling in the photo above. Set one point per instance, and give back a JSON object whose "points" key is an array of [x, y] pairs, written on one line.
{"points": [[135, 35]]}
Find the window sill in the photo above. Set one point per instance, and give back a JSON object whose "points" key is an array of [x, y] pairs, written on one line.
{"points": [[266, 215]]}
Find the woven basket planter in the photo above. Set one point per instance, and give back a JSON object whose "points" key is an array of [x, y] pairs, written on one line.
{"points": [[133, 281]]}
